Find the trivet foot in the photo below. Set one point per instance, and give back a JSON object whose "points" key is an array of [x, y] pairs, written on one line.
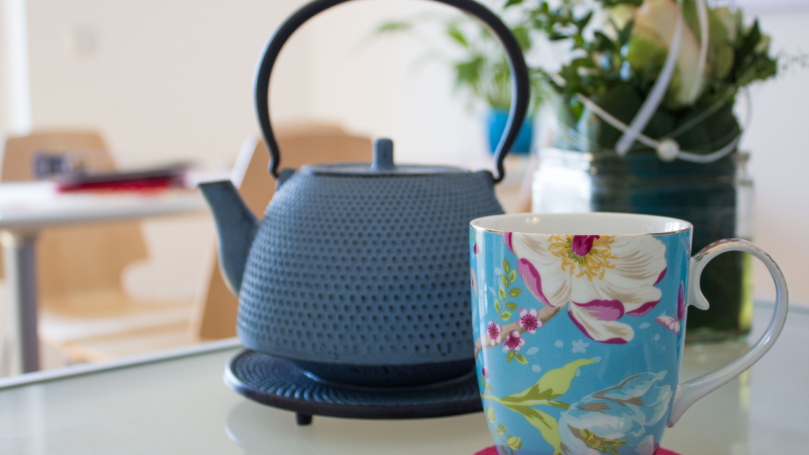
{"points": [[303, 419]]}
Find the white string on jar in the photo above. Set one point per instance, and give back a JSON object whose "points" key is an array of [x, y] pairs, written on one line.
{"points": [[666, 147]]}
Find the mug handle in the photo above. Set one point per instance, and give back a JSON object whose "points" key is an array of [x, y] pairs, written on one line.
{"points": [[689, 392]]}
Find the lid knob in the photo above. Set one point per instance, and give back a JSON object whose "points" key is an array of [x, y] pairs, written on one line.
{"points": [[383, 155]]}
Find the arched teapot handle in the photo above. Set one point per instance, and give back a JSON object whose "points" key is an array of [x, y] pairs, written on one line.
{"points": [[520, 90]]}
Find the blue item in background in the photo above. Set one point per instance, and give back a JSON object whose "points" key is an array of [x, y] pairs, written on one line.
{"points": [[496, 123]]}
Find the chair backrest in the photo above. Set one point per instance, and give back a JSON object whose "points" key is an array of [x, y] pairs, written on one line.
{"points": [[75, 260], [215, 307]]}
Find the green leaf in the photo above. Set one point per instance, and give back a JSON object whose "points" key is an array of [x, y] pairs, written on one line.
{"points": [[514, 292], [502, 293], [558, 404], [626, 33], [512, 276], [510, 356], [581, 23], [505, 315], [521, 359], [551, 385], [512, 3], [501, 429], [394, 26], [511, 305], [488, 387], [523, 39], [546, 425], [506, 266], [514, 442], [504, 280], [456, 34], [468, 72], [497, 305], [604, 42], [490, 414]]}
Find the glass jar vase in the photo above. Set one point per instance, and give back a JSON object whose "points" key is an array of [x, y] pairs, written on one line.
{"points": [[717, 198]]}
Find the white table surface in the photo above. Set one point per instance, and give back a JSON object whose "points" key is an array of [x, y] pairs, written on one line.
{"points": [[34, 205], [181, 406]]}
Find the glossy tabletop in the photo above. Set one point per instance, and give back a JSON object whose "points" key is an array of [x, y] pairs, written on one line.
{"points": [[178, 404]]}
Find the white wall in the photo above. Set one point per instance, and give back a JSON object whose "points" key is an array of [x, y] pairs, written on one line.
{"points": [[778, 140], [164, 81], [375, 85], [172, 80]]}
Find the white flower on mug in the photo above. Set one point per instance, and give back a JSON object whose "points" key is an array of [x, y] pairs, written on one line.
{"points": [[580, 347], [599, 278], [670, 322], [618, 416]]}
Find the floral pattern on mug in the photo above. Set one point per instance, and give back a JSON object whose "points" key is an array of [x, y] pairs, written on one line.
{"points": [[599, 278], [606, 420], [670, 322], [473, 281], [493, 331], [513, 342], [529, 320]]}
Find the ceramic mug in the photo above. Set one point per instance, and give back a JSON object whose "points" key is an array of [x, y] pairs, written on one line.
{"points": [[579, 322]]}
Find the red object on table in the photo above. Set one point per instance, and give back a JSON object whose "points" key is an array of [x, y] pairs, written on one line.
{"points": [[493, 451], [131, 185], [144, 180]]}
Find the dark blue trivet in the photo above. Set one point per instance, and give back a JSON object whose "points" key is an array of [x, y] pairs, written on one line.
{"points": [[278, 382]]}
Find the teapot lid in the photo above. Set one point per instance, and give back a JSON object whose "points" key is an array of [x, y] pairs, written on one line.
{"points": [[382, 165]]}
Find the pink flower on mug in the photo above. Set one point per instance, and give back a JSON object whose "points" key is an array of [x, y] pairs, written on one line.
{"points": [[494, 334], [473, 281], [485, 372], [513, 342], [599, 278], [529, 321], [670, 322]]}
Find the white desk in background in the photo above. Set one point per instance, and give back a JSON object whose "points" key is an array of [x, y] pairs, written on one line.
{"points": [[26, 208]]}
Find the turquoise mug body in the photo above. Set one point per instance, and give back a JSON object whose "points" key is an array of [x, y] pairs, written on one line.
{"points": [[579, 326]]}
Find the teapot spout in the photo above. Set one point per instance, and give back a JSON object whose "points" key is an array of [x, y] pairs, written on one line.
{"points": [[236, 227]]}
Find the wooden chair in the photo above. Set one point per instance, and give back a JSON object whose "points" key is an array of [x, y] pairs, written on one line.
{"points": [[215, 308], [80, 268]]}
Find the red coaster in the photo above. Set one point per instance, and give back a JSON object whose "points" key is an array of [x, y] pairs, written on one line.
{"points": [[493, 451]]}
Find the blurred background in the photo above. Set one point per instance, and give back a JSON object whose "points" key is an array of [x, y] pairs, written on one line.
{"points": [[169, 81]]}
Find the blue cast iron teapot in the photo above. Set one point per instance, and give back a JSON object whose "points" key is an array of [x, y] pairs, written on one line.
{"points": [[359, 272]]}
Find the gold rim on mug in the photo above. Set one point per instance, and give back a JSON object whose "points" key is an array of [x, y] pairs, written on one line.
{"points": [[477, 221]]}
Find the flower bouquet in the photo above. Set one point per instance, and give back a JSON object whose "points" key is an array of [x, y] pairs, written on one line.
{"points": [[645, 105]]}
